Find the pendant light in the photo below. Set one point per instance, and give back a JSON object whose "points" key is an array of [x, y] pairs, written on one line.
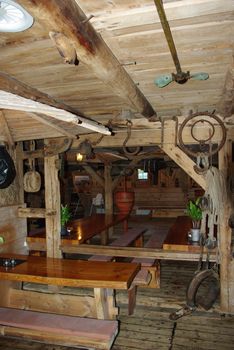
{"points": [[13, 17]]}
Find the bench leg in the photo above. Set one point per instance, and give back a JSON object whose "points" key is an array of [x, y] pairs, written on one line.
{"points": [[139, 242], [132, 299], [155, 273], [105, 303]]}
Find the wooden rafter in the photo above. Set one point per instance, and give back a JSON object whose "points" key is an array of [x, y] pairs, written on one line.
{"points": [[41, 118], [19, 96], [6, 130], [66, 17], [226, 104], [15, 102]]}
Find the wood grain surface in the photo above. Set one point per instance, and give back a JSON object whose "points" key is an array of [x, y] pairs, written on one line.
{"points": [[75, 273]]}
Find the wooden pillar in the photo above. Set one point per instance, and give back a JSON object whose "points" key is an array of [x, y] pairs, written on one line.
{"points": [[108, 199], [52, 203], [225, 234], [20, 171]]}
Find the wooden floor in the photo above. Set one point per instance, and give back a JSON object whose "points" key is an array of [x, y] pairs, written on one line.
{"points": [[150, 328]]}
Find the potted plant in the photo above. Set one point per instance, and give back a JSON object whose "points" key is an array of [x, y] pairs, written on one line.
{"points": [[195, 213], [65, 217]]}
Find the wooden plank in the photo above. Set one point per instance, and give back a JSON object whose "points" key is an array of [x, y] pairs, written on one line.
{"points": [[133, 252], [73, 330], [35, 213], [58, 303]]}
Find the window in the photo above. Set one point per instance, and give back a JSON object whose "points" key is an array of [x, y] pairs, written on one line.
{"points": [[142, 175]]}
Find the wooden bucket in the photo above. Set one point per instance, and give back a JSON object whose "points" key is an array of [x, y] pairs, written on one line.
{"points": [[124, 201]]}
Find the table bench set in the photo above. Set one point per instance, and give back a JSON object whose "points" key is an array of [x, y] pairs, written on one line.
{"points": [[75, 320]]}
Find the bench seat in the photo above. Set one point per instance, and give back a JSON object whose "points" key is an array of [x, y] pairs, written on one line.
{"points": [[125, 240], [58, 329], [150, 264]]}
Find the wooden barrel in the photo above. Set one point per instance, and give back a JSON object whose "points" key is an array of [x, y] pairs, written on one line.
{"points": [[124, 201]]}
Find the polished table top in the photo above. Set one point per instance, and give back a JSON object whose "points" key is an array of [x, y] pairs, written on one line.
{"points": [[177, 238], [67, 272], [82, 229]]}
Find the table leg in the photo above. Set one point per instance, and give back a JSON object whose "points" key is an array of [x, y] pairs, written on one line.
{"points": [[105, 303], [104, 237]]}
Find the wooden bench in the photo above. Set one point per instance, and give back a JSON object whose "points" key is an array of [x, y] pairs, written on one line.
{"points": [[58, 329], [150, 264], [143, 277], [126, 239]]}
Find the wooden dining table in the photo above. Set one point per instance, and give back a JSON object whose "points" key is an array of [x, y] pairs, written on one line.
{"points": [[103, 277], [81, 230], [177, 237]]}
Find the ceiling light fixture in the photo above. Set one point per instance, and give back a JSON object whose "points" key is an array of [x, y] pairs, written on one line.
{"points": [[13, 17]]}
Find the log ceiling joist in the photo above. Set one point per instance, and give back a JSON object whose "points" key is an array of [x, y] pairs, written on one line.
{"points": [[145, 136], [6, 130], [226, 104], [66, 18], [18, 96]]}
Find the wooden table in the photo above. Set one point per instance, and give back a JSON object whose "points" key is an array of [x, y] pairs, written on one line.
{"points": [[103, 277], [82, 230], [177, 238]]}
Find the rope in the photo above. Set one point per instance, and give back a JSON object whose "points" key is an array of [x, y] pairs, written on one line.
{"points": [[216, 194]]}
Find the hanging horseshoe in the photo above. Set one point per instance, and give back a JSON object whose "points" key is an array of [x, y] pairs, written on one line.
{"points": [[201, 141]]}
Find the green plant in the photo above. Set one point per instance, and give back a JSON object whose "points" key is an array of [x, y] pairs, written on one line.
{"points": [[65, 214], [194, 212]]}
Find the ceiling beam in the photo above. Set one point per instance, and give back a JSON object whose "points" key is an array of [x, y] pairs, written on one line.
{"points": [[16, 95], [6, 130], [226, 104], [144, 136], [66, 18], [41, 118]]}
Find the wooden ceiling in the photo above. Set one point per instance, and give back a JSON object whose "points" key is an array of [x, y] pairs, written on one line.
{"points": [[114, 84]]}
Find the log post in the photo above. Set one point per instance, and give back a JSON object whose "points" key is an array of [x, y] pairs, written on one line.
{"points": [[225, 234], [20, 171], [108, 199], [52, 203]]}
